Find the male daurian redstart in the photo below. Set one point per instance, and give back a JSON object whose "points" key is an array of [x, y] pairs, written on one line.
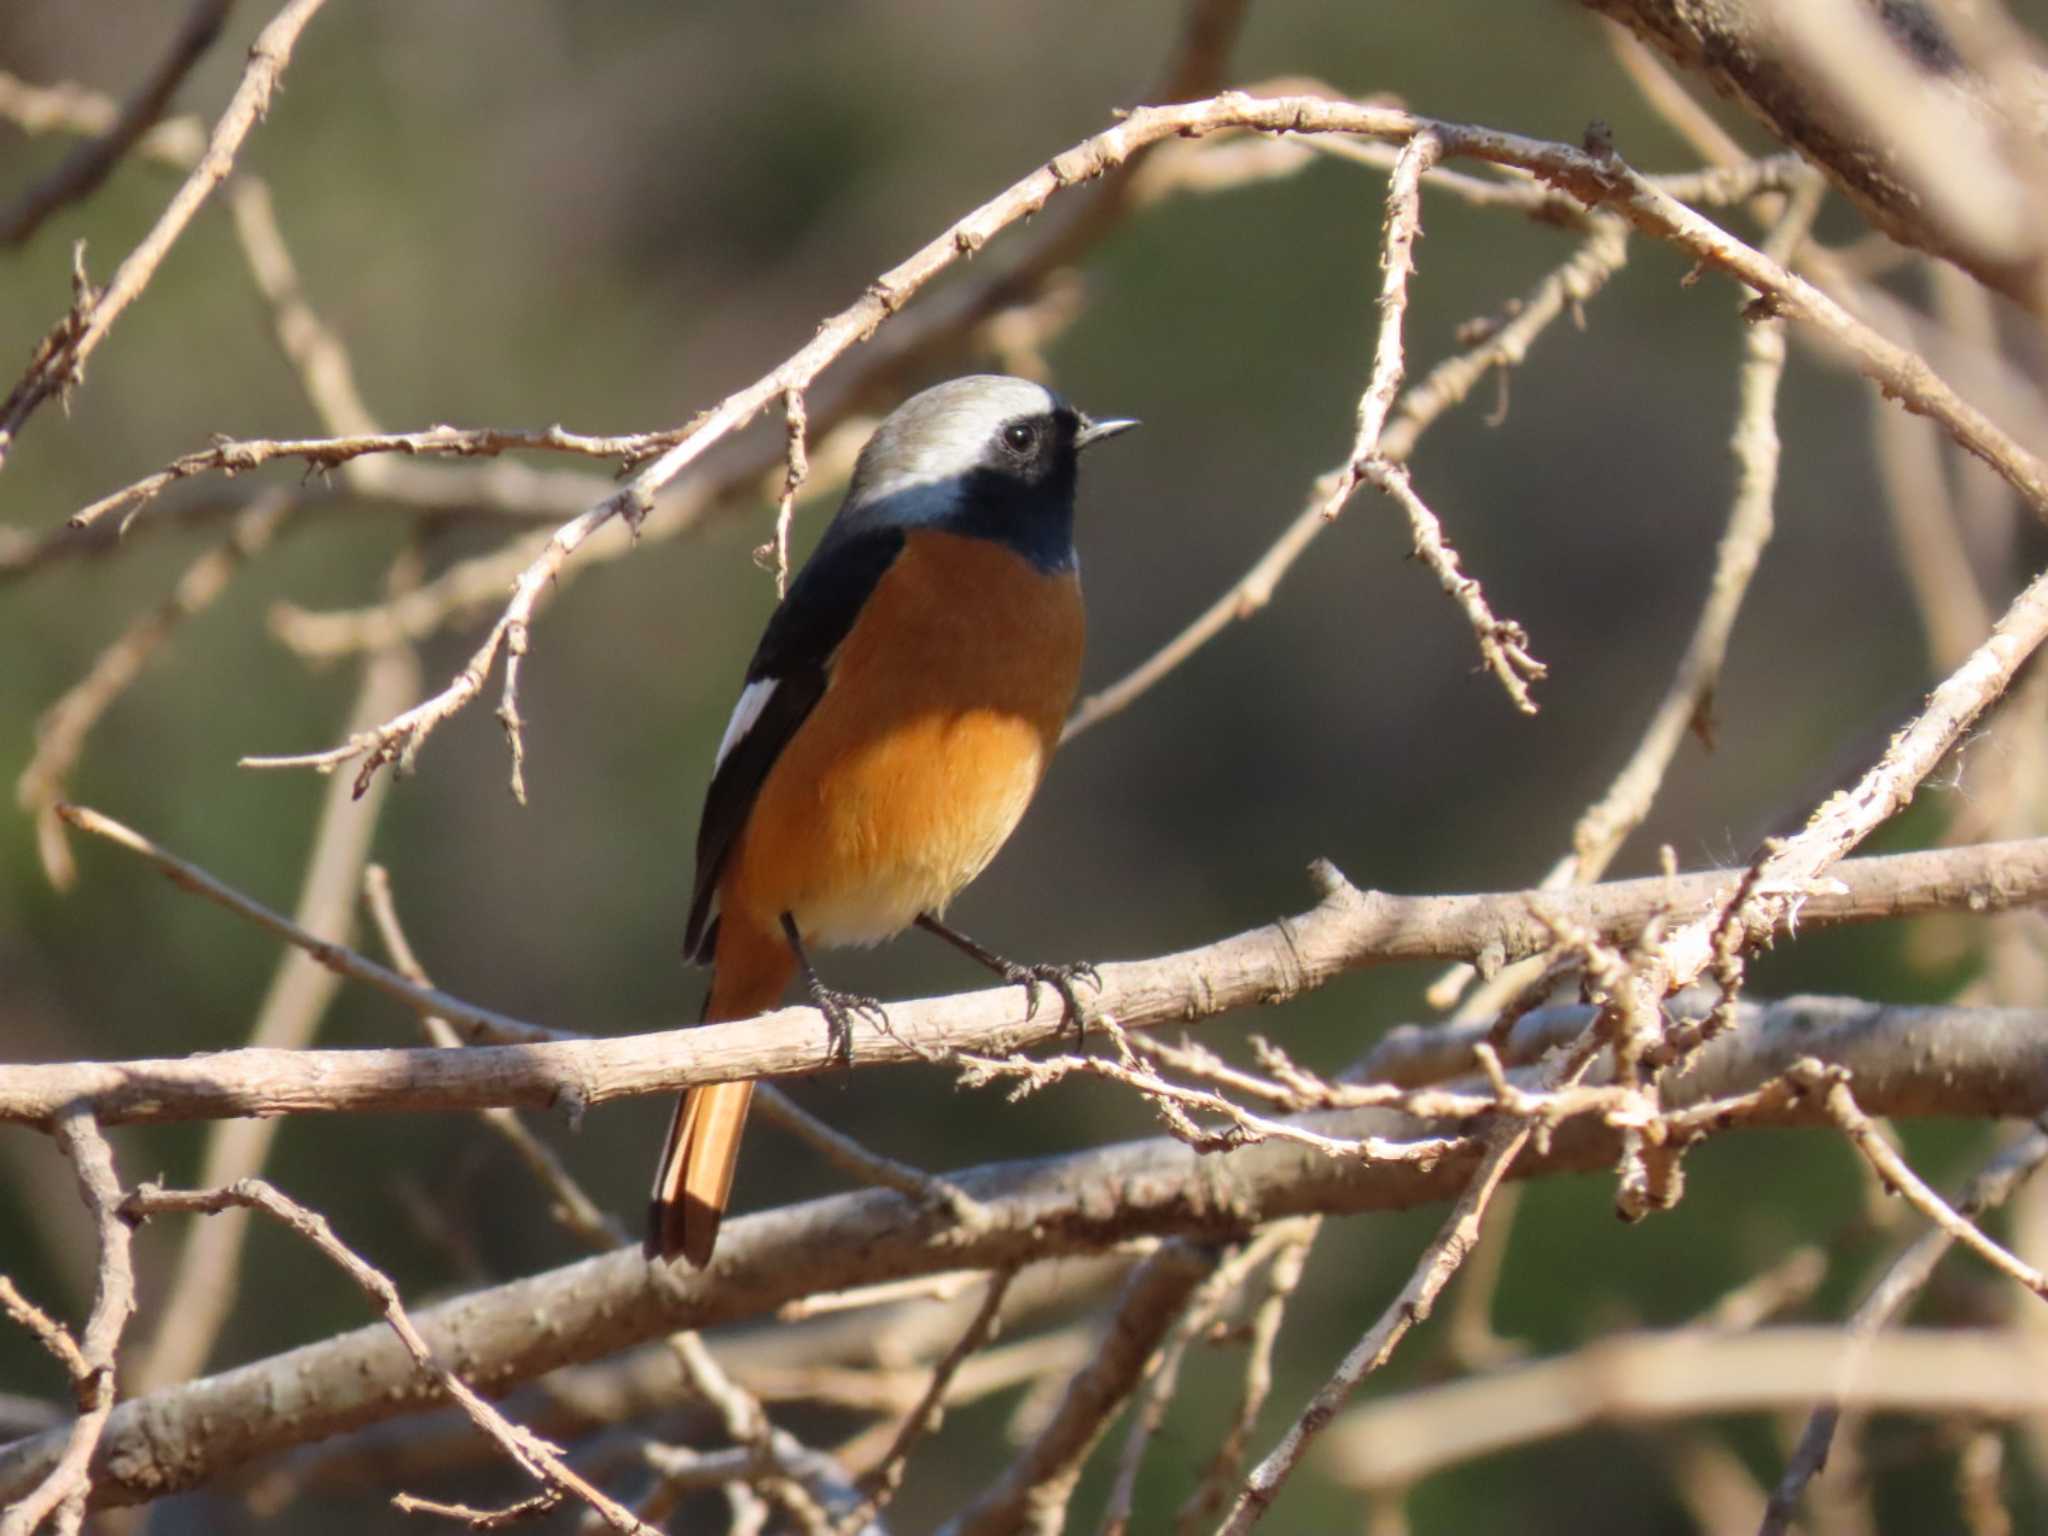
{"points": [[897, 717]]}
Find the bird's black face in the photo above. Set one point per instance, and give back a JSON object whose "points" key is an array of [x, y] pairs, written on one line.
{"points": [[1036, 450], [991, 458], [1021, 492]]}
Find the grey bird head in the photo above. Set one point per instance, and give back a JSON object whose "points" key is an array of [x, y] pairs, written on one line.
{"points": [[987, 455]]}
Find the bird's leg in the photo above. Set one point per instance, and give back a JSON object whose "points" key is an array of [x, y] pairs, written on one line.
{"points": [[1060, 978], [838, 1007]]}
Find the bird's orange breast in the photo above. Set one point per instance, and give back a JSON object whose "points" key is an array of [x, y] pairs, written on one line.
{"points": [[942, 708]]}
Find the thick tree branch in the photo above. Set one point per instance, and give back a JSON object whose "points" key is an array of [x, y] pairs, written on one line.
{"points": [[1047, 1208], [1348, 930], [1688, 1372], [1883, 98]]}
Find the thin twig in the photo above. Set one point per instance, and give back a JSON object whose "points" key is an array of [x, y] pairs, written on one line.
{"points": [[1447, 385], [865, 1164], [1503, 643], [1904, 1279], [514, 1514], [796, 427], [1671, 101], [1271, 1249], [480, 1022], [62, 729], [176, 142], [205, 1282], [1504, 647], [239, 455], [1282, 1276], [525, 1449], [886, 1479], [1606, 825], [1594, 177], [473, 585], [1787, 874], [59, 361], [1032, 1493], [1902, 1180], [770, 1451], [63, 1491], [315, 352], [1685, 1374], [1438, 1263], [568, 1203], [45, 1329], [1397, 265], [90, 163]]}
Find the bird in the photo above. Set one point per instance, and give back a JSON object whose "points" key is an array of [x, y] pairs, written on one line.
{"points": [[897, 717]]}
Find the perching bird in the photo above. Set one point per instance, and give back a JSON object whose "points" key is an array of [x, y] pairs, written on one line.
{"points": [[897, 717]]}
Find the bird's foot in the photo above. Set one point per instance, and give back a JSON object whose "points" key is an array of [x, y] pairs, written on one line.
{"points": [[840, 1010], [1061, 977]]}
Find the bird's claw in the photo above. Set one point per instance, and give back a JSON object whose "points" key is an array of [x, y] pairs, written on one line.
{"points": [[1061, 978], [840, 1010]]}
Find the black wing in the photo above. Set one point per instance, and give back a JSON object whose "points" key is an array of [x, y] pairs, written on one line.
{"points": [[796, 654]]}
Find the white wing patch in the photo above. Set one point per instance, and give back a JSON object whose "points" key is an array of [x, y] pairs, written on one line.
{"points": [[753, 699]]}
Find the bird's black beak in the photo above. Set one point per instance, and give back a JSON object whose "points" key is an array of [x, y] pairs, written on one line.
{"points": [[1093, 432]]}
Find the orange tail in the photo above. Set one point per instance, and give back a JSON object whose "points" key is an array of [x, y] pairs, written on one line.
{"points": [[694, 1178]]}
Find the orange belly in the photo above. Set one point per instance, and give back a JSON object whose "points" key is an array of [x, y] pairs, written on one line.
{"points": [[943, 708]]}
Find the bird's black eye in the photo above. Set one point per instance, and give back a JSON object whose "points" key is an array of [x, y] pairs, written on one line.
{"points": [[1020, 437]]}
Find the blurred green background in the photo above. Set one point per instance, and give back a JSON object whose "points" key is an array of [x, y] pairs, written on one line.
{"points": [[611, 214]]}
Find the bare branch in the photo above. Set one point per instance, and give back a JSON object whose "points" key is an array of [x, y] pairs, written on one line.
{"points": [[1085, 1203], [59, 362], [177, 142], [770, 1452], [882, 1483], [1348, 930], [90, 163], [1596, 179], [66, 1485], [1690, 1372], [1503, 644], [237, 456], [848, 1155], [1606, 825], [567, 1201], [1992, 1186], [524, 1448], [1900, 1178], [1032, 1494], [62, 730], [480, 1022], [1445, 386], [202, 1292], [796, 430], [1397, 265], [1439, 1262], [1883, 100], [866, 1359], [315, 352], [46, 1330]]}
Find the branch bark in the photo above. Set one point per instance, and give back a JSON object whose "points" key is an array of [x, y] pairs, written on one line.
{"points": [[1902, 1062], [1348, 930], [1891, 102]]}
